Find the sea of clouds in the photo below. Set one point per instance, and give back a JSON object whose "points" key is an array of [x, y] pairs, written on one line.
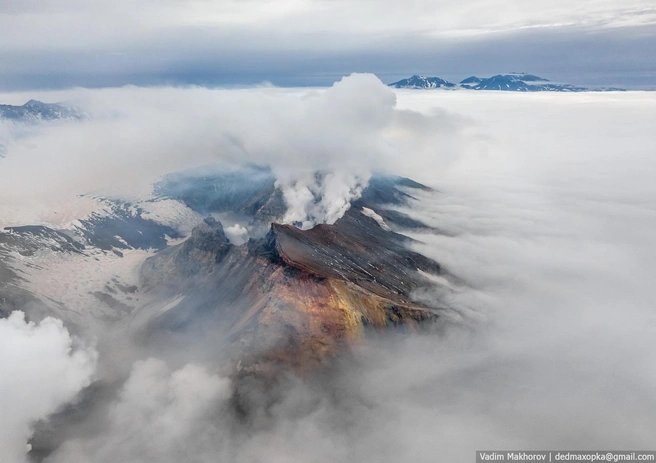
{"points": [[544, 218]]}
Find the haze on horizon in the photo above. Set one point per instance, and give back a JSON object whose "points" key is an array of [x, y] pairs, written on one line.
{"points": [[46, 44]]}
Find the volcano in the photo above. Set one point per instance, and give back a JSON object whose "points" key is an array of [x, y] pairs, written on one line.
{"points": [[295, 297], [292, 297], [284, 298]]}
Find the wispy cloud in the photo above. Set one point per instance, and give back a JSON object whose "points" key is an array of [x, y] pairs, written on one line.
{"points": [[41, 370]]}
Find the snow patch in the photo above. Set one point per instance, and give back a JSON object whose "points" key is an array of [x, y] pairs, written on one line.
{"points": [[67, 282], [371, 213], [175, 301], [172, 213], [437, 279]]}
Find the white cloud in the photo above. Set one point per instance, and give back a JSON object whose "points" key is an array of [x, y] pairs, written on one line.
{"points": [[40, 371], [139, 134], [549, 222], [159, 415], [237, 234]]}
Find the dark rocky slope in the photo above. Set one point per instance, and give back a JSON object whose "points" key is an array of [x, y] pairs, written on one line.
{"points": [[294, 296]]}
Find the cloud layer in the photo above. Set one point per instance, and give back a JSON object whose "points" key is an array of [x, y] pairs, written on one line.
{"points": [[159, 415], [138, 135], [545, 219], [40, 371]]}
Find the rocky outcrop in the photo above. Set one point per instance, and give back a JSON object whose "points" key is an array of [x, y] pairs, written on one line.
{"points": [[206, 247]]}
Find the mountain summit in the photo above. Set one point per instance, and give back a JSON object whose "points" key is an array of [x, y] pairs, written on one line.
{"points": [[518, 82], [34, 111], [422, 82], [513, 82]]}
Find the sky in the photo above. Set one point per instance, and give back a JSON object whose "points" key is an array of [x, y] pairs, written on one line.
{"points": [[98, 43]]}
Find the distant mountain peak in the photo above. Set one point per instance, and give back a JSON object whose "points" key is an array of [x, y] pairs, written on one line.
{"points": [[471, 80], [513, 81], [418, 82], [35, 110]]}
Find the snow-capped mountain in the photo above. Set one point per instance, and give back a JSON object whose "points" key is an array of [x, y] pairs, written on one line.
{"points": [[517, 82], [513, 82], [470, 81], [422, 82], [16, 121], [34, 111]]}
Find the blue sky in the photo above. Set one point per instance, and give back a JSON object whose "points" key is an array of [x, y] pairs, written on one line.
{"points": [[95, 43]]}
